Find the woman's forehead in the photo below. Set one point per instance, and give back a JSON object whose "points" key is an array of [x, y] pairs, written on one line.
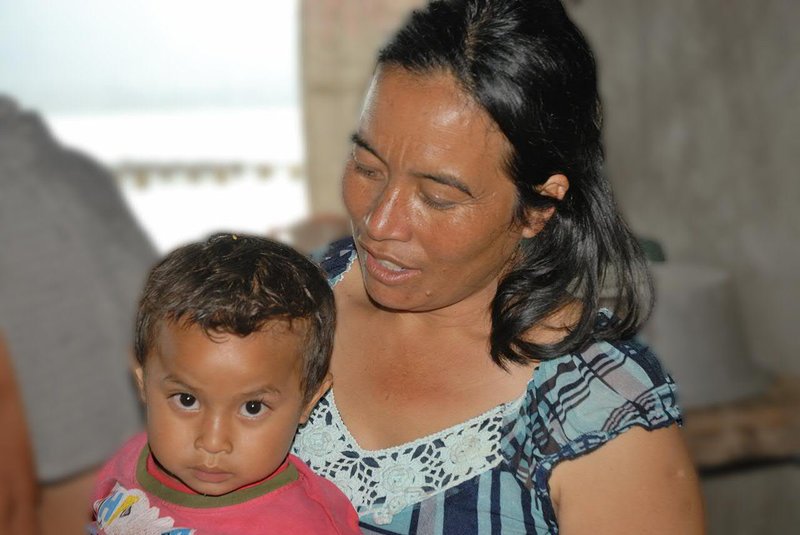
{"points": [[395, 86], [431, 114]]}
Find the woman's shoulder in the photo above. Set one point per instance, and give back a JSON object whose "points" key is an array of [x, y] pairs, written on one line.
{"points": [[606, 386], [581, 400]]}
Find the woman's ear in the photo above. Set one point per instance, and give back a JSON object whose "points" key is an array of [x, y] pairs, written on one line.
{"points": [[555, 187], [309, 405]]}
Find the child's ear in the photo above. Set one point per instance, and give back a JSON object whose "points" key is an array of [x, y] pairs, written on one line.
{"points": [[138, 373], [324, 387]]}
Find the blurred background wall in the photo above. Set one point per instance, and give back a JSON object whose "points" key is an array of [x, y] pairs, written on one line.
{"points": [[194, 105], [703, 122]]}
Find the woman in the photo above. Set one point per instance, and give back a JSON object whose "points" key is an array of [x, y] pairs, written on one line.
{"points": [[479, 386]]}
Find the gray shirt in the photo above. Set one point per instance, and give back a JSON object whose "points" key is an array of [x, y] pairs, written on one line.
{"points": [[72, 262]]}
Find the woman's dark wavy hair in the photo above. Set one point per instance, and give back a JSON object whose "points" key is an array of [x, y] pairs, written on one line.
{"points": [[531, 69], [238, 284]]}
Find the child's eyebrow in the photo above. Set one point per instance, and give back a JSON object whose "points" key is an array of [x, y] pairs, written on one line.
{"points": [[266, 389], [177, 382], [259, 391]]}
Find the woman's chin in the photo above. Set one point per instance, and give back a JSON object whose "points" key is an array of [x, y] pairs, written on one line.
{"points": [[388, 299]]}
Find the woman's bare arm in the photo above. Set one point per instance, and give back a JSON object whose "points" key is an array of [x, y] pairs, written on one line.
{"points": [[641, 482], [17, 478]]}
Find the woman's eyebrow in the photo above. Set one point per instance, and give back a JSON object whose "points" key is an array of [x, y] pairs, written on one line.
{"points": [[361, 142], [447, 180], [441, 178]]}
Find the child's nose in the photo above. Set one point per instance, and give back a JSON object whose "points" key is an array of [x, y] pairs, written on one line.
{"points": [[214, 436]]}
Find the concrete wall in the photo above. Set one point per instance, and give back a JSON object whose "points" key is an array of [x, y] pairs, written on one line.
{"points": [[702, 102], [755, 501]]}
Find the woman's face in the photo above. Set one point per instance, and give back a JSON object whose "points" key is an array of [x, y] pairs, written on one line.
{"points": [[431, 205]]}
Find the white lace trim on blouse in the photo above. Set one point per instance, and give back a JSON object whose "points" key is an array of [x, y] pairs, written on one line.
{"points": [[384, 482]]}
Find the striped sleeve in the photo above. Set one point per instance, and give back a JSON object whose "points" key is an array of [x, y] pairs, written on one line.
{"points": [[587, 399]]}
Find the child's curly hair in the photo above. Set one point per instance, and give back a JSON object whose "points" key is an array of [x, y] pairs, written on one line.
{"points": [[237, 284]]}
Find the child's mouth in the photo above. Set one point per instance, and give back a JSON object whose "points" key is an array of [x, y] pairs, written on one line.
{"points": [[210, 475]]}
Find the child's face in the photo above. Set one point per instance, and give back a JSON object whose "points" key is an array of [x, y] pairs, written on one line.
{"points": [[221, 413]]}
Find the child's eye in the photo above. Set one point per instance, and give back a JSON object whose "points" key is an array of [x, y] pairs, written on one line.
{"points": [[253, 408], [185, 401]]}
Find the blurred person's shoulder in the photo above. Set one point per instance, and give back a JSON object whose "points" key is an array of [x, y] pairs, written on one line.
{"points": [[23, 133]]}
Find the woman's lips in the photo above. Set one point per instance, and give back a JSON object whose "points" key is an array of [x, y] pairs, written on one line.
{"points": [[387, 271]]}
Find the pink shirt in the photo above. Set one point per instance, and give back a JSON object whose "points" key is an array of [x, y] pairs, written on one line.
{"points": [[128, 499]]}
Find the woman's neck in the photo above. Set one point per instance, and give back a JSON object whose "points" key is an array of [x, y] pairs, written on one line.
{"points": [[402, 375]]}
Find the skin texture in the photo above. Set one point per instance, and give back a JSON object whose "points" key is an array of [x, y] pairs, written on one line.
{"points": [[222, 411], [17, 477], [65, 506], [432, 214], [639, 483], [418, 169]]}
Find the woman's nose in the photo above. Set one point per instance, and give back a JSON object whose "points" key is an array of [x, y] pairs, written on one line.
{"points": [[388, 219], [214, 435]]}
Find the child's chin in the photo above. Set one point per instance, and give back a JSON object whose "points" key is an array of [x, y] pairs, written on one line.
{"points": [[212, 484], [214, 493], [213, 490]]}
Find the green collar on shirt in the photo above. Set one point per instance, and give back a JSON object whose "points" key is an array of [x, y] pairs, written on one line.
{"points": [[200, 501]]}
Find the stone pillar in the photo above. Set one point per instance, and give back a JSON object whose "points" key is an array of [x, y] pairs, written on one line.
{"points": [[339, 40]]}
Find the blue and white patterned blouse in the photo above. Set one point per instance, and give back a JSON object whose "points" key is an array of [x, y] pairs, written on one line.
{"points": [[489, 475]]}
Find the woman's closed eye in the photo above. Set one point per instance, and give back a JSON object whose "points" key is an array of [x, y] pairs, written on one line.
{"points": [[364, 170], [363, 166], [440, 196], [364, 161], [436, 202], [184, 401], [253, 409]]}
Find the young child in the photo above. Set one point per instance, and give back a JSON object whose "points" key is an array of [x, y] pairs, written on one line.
{"points": [[233, 341]]}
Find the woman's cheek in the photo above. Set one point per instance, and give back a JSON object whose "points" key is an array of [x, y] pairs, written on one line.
{"points": [[357, 196]]}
